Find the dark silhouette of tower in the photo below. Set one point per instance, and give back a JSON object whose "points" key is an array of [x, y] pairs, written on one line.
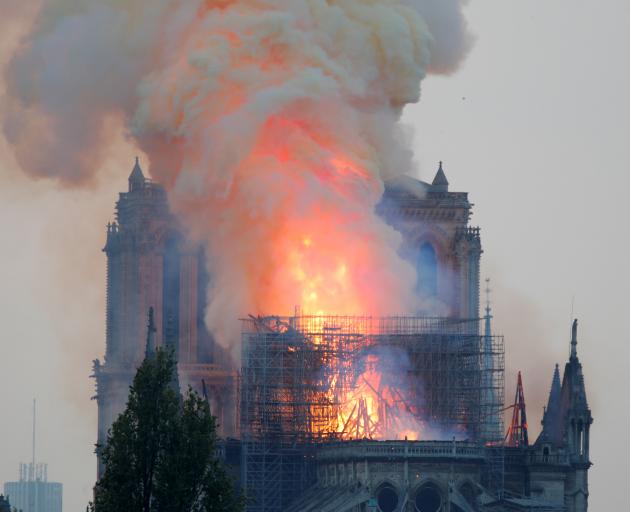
{"points": [[566, 431], [151, 265]]}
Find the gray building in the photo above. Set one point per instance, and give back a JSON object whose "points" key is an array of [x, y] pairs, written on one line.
{"points": [[33, 492]]}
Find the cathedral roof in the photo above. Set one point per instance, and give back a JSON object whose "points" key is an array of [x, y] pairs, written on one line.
{"points": [[432, 200], [407, 185]]}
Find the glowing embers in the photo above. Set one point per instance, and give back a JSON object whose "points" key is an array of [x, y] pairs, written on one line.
{"points": [[377, 402]]}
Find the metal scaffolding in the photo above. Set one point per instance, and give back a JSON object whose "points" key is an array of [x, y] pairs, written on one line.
{"points": [[310, 379]]}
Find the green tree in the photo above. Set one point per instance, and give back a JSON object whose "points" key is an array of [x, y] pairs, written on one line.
{"points": [[160, 454]]}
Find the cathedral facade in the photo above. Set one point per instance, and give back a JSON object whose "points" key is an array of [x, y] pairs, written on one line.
{"points": [[151, 264]]}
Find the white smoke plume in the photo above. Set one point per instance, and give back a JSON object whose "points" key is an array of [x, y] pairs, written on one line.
{"points": [[272, 123]]}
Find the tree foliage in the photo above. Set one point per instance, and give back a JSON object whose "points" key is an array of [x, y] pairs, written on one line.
{"points": [[160, 454]]}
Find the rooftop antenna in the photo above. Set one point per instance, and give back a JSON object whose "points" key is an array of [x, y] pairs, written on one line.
{"points": [[488, 315], [34, 424], [571, 317]]}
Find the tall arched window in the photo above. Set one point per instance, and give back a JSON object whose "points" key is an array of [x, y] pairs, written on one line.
{"points": [[427, 268]]}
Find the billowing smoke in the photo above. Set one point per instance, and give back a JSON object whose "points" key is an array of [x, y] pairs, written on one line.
{"points": [[272, 123]]}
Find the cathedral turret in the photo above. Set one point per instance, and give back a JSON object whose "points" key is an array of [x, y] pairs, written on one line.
{"points": [[552, 427], [554, 392], [560, 456], [574, 406], [136, 178], [440, 183]]}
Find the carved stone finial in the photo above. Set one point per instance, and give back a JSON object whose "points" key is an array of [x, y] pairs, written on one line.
{"points": [[136, 178], [574, 339]]}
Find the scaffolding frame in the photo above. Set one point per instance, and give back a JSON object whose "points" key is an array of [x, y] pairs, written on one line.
{"points": [[295, 369]]}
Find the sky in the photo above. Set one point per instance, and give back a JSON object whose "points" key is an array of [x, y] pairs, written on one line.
{"points": [[534, 126]]}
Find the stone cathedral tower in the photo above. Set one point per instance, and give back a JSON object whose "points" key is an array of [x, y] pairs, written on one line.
{"points": [[438, 240], [150, 264], [563, 447]]}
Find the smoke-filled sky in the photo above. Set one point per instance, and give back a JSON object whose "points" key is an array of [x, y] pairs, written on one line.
{"points": [[532, 124], [271, 124]]}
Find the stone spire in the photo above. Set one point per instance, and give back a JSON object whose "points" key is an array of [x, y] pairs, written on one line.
{"points": [[136, 178], [151, 331], [552, 428], [440, 183], [575, 414], [573, 376], [493, 425], [554, 392]]}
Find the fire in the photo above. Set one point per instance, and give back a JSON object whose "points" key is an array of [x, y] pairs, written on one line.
{"points": [[371, 408], [361, 414], [320, 281]]}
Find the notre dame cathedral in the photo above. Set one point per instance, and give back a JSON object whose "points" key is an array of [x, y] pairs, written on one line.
{"points": [[151, 264]]}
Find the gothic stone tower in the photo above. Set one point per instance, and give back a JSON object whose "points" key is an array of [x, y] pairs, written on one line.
{"points": [[561, 454], [150, 264], [438, 241]]}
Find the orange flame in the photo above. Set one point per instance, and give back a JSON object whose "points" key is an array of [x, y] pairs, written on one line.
{"points": [[369, 408]]}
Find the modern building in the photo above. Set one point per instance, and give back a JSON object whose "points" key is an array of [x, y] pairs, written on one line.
{"points": [[33, 492]]}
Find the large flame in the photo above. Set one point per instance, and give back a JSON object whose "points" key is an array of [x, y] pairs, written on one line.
{"points": [[367, 390]]}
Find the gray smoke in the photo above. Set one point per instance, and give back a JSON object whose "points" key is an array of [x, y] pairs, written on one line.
{"points": [[81, 63]]}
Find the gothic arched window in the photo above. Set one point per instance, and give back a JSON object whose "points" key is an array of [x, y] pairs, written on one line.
{"points": [[427, 268]]}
